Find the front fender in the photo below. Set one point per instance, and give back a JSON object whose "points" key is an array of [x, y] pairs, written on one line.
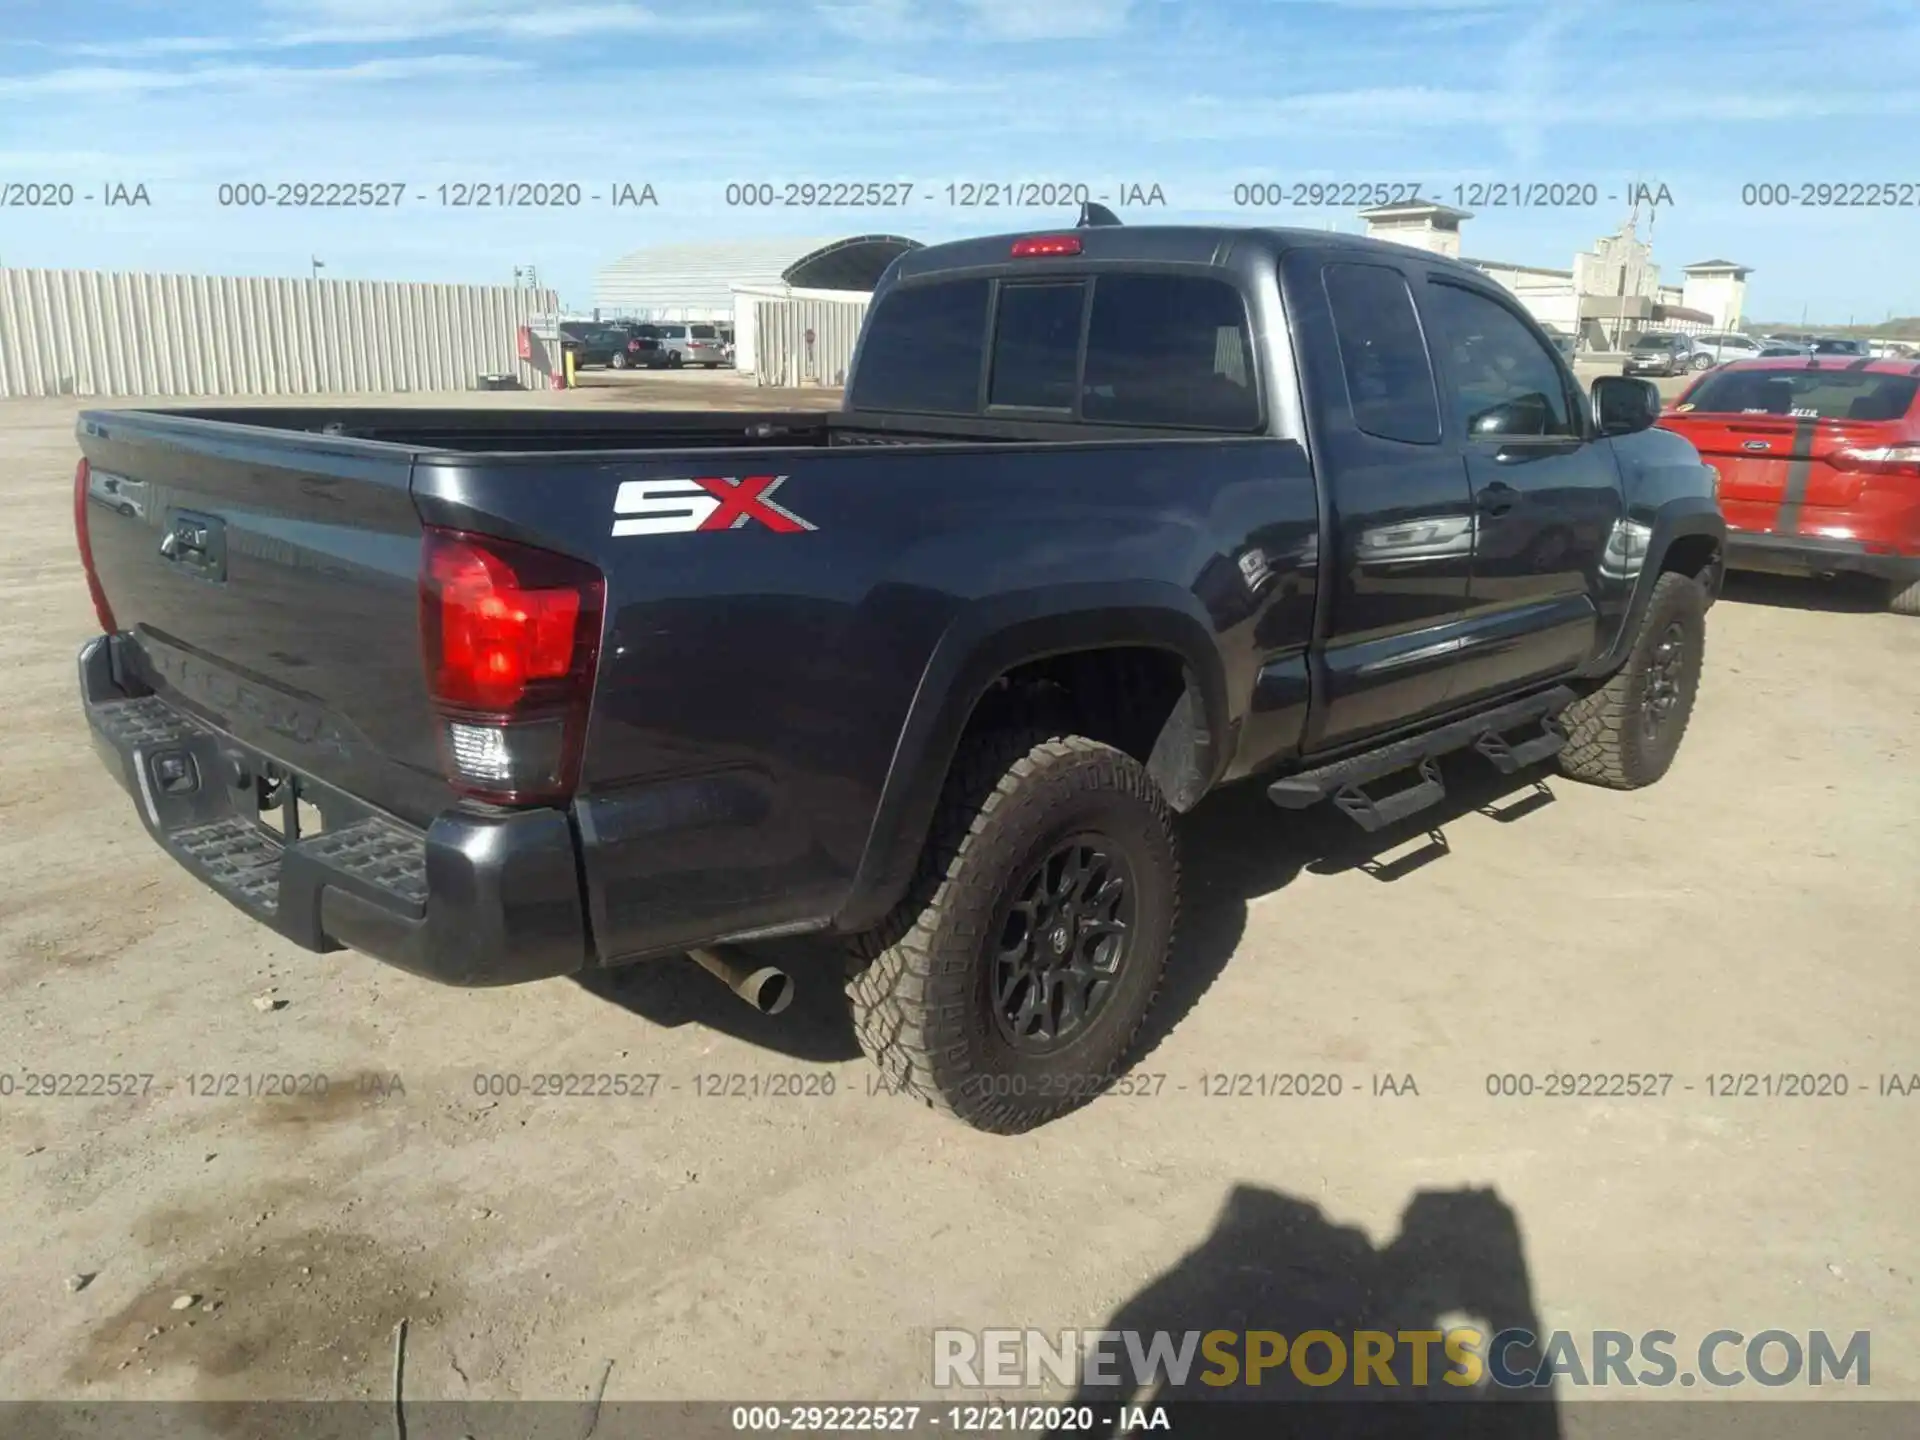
{"points": [[1673, 519], [989, 638]]}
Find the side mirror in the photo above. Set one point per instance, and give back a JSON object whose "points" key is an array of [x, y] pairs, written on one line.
{"points": [[1623, 405]]}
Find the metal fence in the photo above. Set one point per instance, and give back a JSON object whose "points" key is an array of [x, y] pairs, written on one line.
{"points": [[805, 342], [90, 332]]}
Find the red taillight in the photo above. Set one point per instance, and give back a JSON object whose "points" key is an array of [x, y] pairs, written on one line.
{"points": [[511, 637], [633, 346], [1878, 459], [83, 537], [1037, 245]]}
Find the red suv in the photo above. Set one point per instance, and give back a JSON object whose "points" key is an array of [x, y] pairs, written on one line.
{"points": [[1819, 465]]}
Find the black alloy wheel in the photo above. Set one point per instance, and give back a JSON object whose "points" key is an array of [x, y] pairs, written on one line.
{"points": [[1666, 674], [1063, 942]]}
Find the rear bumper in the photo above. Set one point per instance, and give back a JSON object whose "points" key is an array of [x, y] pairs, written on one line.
{"points": [[474, 900], [1815, 555]]}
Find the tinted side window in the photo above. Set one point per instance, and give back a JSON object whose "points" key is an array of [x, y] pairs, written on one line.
{"points": [[1036, 345], [1503, 380], [1169, 350], [922, 350], [1389, 375]]}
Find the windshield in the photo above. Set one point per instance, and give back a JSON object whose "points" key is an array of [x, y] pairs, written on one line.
{"points": [[703, 332], [1655, 342], [1805, 394]]}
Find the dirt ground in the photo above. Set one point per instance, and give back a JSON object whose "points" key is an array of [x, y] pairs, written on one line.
{"points": [[1755, 913]]}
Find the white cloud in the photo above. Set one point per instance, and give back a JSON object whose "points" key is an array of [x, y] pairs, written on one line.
{"points": [[883, 87], [1050, 19], [873, 20], [419, 20], [109, 81], [392, 22]]}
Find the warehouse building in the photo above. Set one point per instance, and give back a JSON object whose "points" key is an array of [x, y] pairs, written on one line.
{"points": [[795, 304], [1611, 293], [96, 332]]}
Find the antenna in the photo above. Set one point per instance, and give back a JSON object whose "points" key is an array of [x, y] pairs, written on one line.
{"points": [[1093, 213]]}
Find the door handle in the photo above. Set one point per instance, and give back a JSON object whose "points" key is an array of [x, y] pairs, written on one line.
{"points": [[1498, 498]]}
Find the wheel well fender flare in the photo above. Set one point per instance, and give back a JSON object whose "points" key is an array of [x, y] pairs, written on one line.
{"points": [[994, 635], [1676, 519]]}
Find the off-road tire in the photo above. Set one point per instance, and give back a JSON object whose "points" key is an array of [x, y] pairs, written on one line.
{"points": [[1904, 600], [920, 983], [1608, 742]]}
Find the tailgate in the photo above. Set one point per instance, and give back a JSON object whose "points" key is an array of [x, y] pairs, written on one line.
{"points": [[1773, 470], [270, 582]]}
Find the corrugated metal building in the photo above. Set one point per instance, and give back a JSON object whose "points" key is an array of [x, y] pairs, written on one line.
{"points": [[694, 282], [774, 292], [799, 338], [88, 332]]}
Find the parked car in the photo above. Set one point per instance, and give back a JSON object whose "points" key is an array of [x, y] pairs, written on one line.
{"points": [[1722, 346], [593, 343], [645, 350], [1819, 466], [1562, 341], [695, 344], [1664, 352], [933, 672], [1838, 345], [616, 346]]}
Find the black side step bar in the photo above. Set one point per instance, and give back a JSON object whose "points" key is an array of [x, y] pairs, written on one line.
{"points": [[1344, 781]]}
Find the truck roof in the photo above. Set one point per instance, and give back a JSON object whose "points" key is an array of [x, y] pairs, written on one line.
{"points": [[1153, 244]]}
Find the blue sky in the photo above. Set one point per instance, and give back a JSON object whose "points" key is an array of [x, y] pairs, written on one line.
{"points": [[1193, 95]]}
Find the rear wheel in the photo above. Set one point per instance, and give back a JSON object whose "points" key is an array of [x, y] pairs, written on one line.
{"points": [[618, 360], [1702, 361], [1010, 984], [1625, 733], [1904, 599]]}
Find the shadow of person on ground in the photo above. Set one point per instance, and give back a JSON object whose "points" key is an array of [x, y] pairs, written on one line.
{"points": [[1276, 1263], [1236, 846]]}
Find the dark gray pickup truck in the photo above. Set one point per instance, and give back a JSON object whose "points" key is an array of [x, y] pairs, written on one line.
{"points": [[1111, 517]]}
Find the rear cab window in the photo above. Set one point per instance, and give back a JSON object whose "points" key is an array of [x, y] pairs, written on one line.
{"points": [[1383, 355], [1856, 395], [924, 349], [1154, 350]]}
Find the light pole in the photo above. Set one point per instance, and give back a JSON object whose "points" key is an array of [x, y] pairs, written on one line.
{"points": [[315, 266]]}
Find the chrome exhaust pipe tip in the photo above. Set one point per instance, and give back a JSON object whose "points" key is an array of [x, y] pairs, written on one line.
{"points": [[767, 988]]}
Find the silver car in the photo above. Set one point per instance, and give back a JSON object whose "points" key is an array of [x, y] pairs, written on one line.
{"points": [[1664, 352], [694, 344], [1728, 345]]}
